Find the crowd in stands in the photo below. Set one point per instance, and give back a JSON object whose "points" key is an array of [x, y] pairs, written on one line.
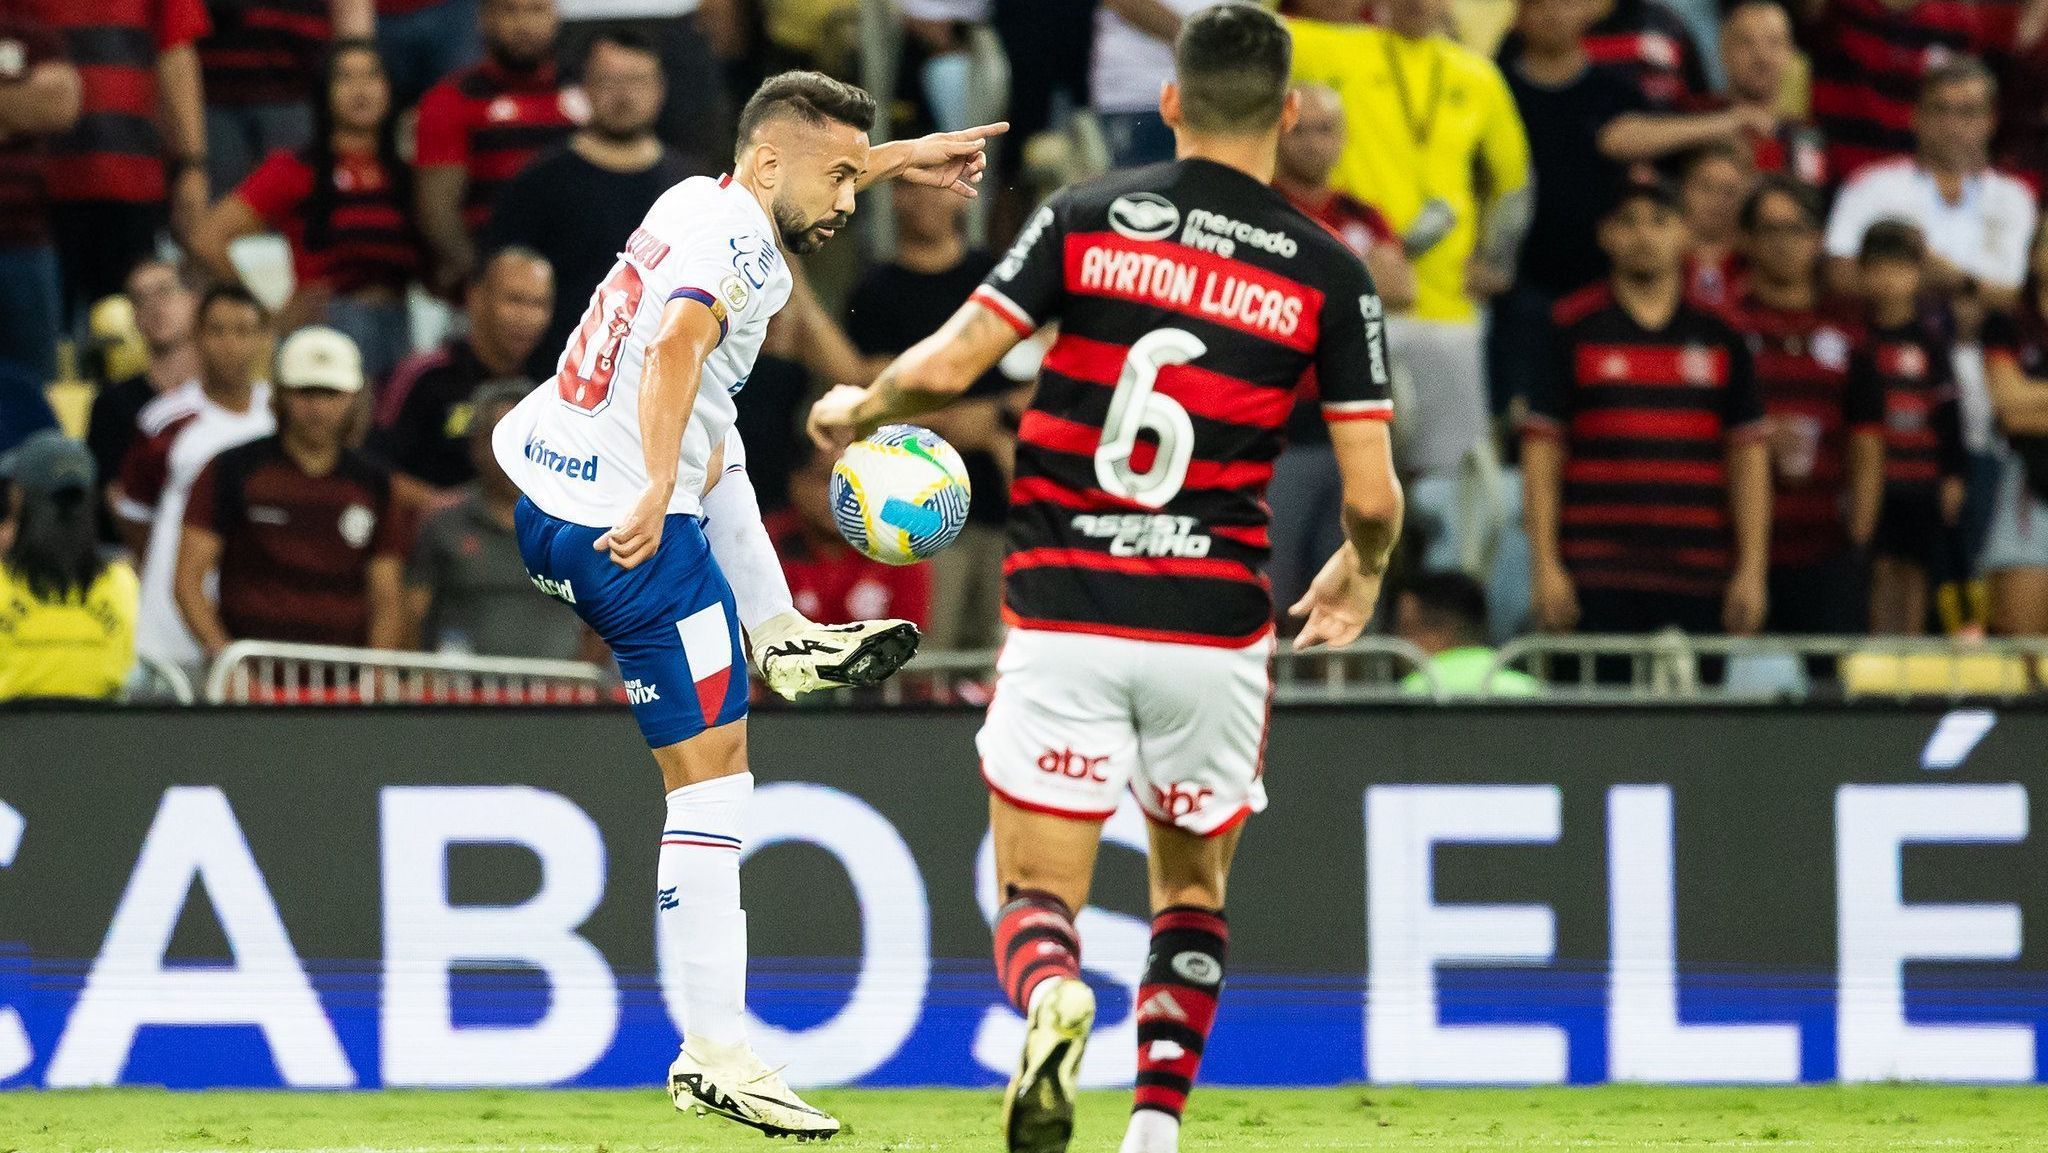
{"points": [[1730, 317]]}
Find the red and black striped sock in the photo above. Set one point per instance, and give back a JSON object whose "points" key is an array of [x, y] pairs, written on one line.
{"points": [[1035, 940], [1177, 1004]]}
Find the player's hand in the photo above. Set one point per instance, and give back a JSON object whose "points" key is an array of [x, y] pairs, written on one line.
{"points": [[1742, 611], [952, 160], [832, 424], [638, 533], [1338, 603], [1556, 601]]}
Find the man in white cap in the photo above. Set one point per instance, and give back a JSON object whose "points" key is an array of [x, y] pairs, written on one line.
{"points": [[304, 532]]}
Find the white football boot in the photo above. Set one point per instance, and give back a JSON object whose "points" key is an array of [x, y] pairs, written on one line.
{"points": [[730, 1081], [796, 656], [1038, 1109]]}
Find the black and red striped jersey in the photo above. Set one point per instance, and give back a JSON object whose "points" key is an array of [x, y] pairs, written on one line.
{"points": [[1817, 390], [263, 51], [1923, 439], [1191, 300], [1868, 59], [1645, 43], [1646, 417]]}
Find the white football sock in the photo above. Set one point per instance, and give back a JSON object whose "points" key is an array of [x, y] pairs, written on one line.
{"points": [[1152, 1132], [700, 931], [740, 545]]}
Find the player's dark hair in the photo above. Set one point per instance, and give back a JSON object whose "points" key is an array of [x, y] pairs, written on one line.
{"points": [[624, 39], [1232, 63], [320, 156], [1805, 197], [811, 97], [231, 293], [1451, 602], [1960, 70], [1892, 239]]}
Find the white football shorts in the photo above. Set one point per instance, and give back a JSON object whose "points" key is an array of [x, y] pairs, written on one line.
{"points": [[1077, 718]]}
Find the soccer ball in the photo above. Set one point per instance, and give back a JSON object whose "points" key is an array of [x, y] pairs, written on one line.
{"points": [[900, 495]]}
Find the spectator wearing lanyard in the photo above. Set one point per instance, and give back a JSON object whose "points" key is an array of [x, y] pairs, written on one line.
{"points": [[67, 614], [480, 127], [303, 531], [341, 202], [39, 97], [1647, 488], [1445, 124], [254, 67], [140, 139], [2016, 365]]}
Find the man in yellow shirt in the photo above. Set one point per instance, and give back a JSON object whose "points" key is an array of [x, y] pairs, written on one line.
{"points": [[67, 617], [1433, 126]]}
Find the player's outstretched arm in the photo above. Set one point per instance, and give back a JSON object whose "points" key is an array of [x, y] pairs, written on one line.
{"points": [[668, 391], [954, 160], [930, 376], [1340, 601]]}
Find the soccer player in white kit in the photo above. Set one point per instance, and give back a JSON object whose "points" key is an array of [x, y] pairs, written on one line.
{"points": [[637, 511]]}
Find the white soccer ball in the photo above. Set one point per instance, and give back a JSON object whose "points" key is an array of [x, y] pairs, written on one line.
{"points": [[900, 495]]}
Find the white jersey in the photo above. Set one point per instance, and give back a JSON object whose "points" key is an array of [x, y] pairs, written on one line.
{"points": [[573, 445], [160, 629]]}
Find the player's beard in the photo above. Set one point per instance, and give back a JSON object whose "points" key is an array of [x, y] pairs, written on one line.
{"points": [[800, 235]]}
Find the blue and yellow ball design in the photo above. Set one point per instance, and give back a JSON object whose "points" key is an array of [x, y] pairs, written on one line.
{"points": [[900, 495]]}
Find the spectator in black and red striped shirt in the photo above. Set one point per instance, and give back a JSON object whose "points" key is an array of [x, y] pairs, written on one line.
{"points": [[342, 204], [1916, 545], [480, 127], [1645, 43], [256, 66], [1758, 55], [38, 98], [1826, 414], [1647, 489]]}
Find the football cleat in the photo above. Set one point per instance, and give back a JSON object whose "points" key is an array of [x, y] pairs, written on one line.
{"points": [[1038, 1109], [801, 657], [729, 1081]]}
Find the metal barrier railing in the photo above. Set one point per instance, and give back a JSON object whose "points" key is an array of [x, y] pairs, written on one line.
{"points": [[270, 672], [156, 679], [1672, 665]]}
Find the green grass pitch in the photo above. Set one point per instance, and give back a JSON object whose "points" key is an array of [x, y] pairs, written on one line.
{"points": [[1876, 1118]]}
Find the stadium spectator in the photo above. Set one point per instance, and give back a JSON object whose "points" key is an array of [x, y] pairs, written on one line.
{"points": [[480, 126], [67, 613], [254, 65], [1133, 58], [420, 41], [1869, 55], [577, 204], [696, 120], [1444, 615], [1646, 479], [1644, 43], [894, 306], [1758, 56], [2015, 558], [303, 532], [424, 417], [165, 307], [466, 590], [1976, 221], [343, 202], [182, 430], [1304, 491], [39, 98], [1584, 124], [1446, 126], [140, 138], [1713, 181], [830, 582], [1825, 412], [1916, 541], [1057, 37]]}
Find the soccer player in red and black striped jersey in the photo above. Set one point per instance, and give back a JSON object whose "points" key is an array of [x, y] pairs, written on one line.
{"points": [[1646, 476], [1826, 414], [1191, 298], [1917, 545]]}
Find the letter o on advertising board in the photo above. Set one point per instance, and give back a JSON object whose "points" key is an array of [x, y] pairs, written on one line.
{"points": [[895, 923]]}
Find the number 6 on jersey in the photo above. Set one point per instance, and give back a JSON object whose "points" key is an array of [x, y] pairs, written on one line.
{"points": [[1136, 407]]}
